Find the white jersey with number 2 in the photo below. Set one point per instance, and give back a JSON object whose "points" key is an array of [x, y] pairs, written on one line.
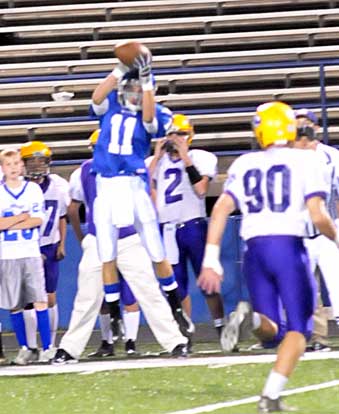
{"points": [[176, 200]]}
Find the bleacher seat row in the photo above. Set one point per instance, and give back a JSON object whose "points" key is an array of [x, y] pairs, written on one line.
{"points": [[214, 60]]}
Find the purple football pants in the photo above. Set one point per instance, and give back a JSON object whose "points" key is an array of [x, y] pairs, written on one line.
{"points": [[279, 278]]}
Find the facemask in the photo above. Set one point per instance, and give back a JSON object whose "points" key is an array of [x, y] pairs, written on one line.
{"points": [[306, 131]]}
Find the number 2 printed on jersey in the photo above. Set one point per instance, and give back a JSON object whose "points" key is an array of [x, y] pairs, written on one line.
{"points": [[175, 174]]}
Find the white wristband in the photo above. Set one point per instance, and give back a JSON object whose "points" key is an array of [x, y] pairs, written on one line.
{"points": [[118, 73], [148, 86], [211, 258], [336, 240]]}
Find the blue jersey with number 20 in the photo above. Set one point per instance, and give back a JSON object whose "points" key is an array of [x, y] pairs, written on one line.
{"points": [[124, 142]]}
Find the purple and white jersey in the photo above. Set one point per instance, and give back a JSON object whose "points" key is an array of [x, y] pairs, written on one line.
{"points": [[329, 158], [56, 195], [176, 200], [18, 244], [270, 187], [82, 179]]}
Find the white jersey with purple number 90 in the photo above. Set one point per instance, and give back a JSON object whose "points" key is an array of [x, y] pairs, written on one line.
{"points": [[272, 188]]}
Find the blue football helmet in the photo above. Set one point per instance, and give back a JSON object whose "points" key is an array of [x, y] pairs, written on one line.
{"points": [[130, 91]]}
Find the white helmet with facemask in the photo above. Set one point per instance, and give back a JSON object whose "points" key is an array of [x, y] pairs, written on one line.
{"points": [[130, 91]]}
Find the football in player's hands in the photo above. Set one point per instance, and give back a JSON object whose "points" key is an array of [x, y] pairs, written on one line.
{"points": [[143, 60], [133, 54]]}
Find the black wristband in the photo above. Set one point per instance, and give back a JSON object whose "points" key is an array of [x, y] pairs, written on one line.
{"points": [[193, 174]]}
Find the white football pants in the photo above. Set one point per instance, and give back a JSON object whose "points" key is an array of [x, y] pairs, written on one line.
{"points": [[136, 267], [122, 201], [324, 253]]}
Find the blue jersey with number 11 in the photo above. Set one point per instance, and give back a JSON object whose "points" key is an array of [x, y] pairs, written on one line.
{"points": [[124, 142]]}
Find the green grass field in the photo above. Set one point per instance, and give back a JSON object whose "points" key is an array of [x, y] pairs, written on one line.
{"points": [[165, 390]]}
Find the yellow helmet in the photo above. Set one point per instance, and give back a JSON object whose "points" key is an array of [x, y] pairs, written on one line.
{"points": [[181, 123], [35, 149], [93, 139], [37, 157], [274, 123]]}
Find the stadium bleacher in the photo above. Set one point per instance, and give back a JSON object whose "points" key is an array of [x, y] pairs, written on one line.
{"points": [[214, 60]]}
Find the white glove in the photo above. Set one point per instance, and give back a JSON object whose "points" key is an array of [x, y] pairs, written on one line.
{"points": [[120, 70], [143, 64]]}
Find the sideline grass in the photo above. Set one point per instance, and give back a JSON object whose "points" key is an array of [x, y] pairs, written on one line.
{"points": [[162, 390]]}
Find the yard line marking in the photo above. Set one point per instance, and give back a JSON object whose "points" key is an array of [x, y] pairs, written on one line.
{"points": [[91, 367], [217, 406]]}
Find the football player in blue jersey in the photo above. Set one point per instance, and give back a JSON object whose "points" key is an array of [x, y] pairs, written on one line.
{"points": [[129, 119]]}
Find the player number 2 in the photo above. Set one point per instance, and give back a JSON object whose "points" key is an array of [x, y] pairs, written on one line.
{"points": [[278, 184], [121, 134], [175, 175]]}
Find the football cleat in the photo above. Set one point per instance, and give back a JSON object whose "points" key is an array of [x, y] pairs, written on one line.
{"points": [[130, 347], [231, 332], [104, 350], [180, 351], [24, 356], [317, 347], [62, 358], [268, 405], [34, 355], [47, 355], [186, 326]]}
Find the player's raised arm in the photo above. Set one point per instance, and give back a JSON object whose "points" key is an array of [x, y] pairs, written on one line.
{"points": [[143, 64], [108, 84]]}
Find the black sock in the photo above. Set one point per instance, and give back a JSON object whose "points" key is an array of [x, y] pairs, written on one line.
{"points": [[219, 330], [173, 298], [114, 309]]}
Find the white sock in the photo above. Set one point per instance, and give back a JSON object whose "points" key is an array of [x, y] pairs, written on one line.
{"points": [[53, 322], [256, 319], [131, 323], [105, 327], [31, 328], [218, 323], [275, 383]]}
